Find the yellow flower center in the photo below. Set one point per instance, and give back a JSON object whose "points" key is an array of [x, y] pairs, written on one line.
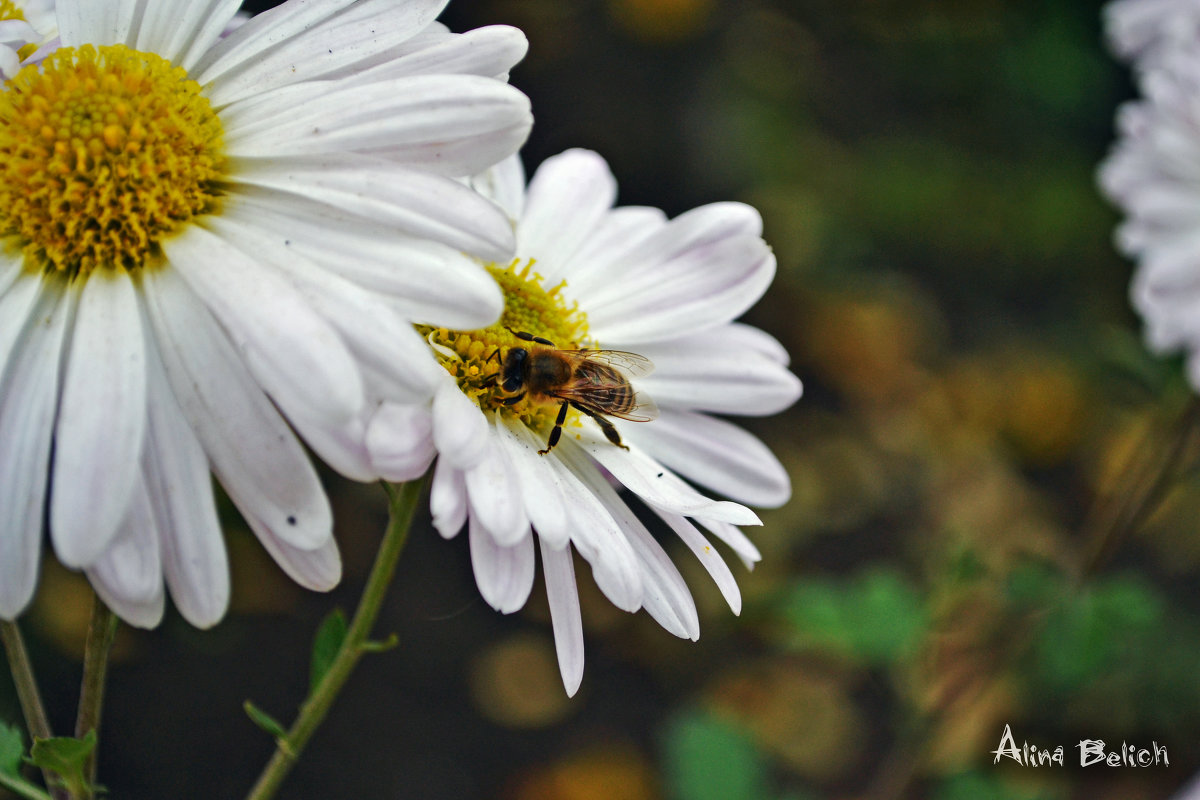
{"points": [[10, 10], [475, 358], [104, 152]]}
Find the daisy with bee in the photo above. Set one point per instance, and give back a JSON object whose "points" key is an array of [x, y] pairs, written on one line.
{"points": [[616, 343]]}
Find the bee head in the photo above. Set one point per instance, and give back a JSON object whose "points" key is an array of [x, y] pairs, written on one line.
{"points": [[514, 369]]}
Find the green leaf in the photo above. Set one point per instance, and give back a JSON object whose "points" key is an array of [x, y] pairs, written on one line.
{"points": [[268, 723], [12, 748], [329, 639], [876, 616], [983, 786], [709, 759], [66, 757]]}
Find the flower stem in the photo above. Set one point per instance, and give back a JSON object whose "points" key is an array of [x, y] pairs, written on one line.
{"points": [[27, 693], [403, 503], [101, 630], [22, 673]]}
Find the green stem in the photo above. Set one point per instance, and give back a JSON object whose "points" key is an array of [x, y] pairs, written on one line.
{"points": [[22, 788], [403, 503], [22, 673], [27, 693], [101, 630]]}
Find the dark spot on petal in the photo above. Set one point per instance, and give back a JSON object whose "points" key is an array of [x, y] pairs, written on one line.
{"points": [[291, 520], [660, 474]]}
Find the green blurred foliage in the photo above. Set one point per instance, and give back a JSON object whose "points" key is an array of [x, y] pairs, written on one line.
{"points": [[12, 749], [708, 759], [876, 616], [981, 786]]}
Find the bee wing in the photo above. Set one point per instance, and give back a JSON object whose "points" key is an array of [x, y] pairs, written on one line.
{"points": [[644, 410], [603, 399], [631, 364]]}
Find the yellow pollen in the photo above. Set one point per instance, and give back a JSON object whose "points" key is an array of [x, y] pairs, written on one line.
{"points": [[104, 152], [475, 358], [10, 10]]}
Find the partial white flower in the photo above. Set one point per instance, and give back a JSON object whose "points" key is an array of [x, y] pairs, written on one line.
{"points": [[1143, 31], [212, 238], [28, 30], [1153, 174], [588, 275]]}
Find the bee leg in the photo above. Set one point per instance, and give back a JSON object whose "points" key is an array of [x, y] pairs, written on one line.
{"points": [[557, 432], [516, 398], [610, 430], [529, 337]]}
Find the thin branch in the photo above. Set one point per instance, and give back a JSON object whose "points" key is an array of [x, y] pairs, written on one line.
{"points": [[316, 707]]}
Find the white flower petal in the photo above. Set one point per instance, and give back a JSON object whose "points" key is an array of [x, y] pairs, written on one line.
{"points": [[493, 495], [598, 537], [453, 125], [300, 41], [101, 419], [567, 197], [538, 482], [400, 442], [296, 356], [10, 62], [490, 51], [28, 400], [128, 575], [251, 449], [504, 573], [180, 491], [614, 244], [385, 345], [563, 596], [12, 266], [658, 486], [411, 201], [319, 569], [448, 499], [180, 32], [706, 285], [737, 540], [461, 432], [713, 371], [715, 454], [709, 557], [504, 185], [430, 282], [17, 303], [83, 22], [665, 596]]}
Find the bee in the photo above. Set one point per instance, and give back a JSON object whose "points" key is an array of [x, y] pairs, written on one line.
{"points": [[595, 382]]}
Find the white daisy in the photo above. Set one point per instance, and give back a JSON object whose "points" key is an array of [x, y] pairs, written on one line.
{"points": [[591, 276], [1153, 174], [211, 242], [1142, 31]]}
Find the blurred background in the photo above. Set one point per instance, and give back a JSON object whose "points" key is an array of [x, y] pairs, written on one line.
{"points": [[965, 547]]}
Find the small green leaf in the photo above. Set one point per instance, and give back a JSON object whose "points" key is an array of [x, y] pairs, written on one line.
{"points": [[876, 616], [66, 757], [330, 637], [12, 748], [268, 723], [376, 646], [709, 759]]}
